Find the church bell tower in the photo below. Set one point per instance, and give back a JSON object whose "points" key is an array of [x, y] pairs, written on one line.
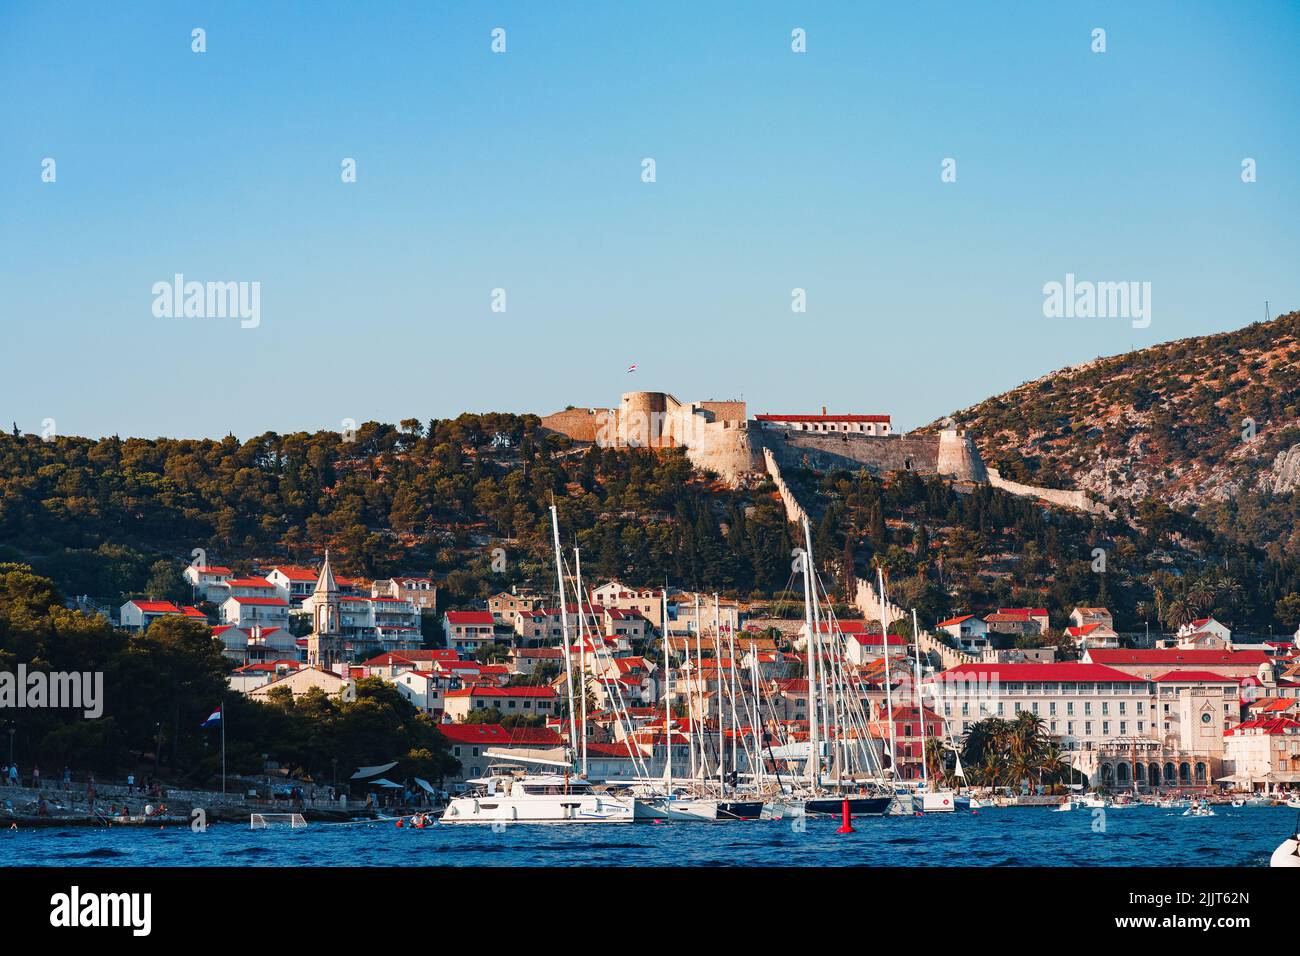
{"points": [[325, 643]]}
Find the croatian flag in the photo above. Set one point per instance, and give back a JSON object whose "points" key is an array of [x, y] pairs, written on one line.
{"points": [[213, 719], [632, 367]]}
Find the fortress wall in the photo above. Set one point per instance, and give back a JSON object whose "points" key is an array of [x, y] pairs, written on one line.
{"points": [[1056, 496], [578, 424], [875, 452], [725, 411], [794, 512], [867, 602]]}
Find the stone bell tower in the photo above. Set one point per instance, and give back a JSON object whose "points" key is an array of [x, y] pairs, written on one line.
{"points": [[325, 643]]}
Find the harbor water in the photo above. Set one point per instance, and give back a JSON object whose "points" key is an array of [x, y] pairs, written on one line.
{"points": [[1131, 836]]}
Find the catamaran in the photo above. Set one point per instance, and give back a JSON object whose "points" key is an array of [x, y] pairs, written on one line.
{"points": [[508, 795]]}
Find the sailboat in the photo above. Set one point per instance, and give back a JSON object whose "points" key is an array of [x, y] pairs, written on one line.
{"points": [[1288, 852], [828, 695], [511, 795]]}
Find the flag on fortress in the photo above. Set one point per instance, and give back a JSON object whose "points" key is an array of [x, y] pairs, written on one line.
{"points": [[213, 719]]}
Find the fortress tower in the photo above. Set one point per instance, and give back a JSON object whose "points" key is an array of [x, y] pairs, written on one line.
{"points": [[959, 458]]}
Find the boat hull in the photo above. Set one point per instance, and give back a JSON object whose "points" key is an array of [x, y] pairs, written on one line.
{"points": [[740, 809], [555, 809], [858, 806]]}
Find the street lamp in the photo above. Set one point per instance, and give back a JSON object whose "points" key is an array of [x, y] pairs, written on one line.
{"points": [[12, 731], [157, 746]]}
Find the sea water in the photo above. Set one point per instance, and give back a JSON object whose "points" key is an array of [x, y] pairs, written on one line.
{"points": [[1136, 836]]}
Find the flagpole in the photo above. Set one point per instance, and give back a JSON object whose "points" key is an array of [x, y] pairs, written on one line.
{"points": [[223, 749]]}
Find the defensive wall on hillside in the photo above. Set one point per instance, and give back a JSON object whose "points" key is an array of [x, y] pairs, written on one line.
{"points": [[720, 437]]}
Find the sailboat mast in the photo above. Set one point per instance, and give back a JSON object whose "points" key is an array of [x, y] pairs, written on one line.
{"points": [[920, 702], [731, 653], [668, 712], [582, 652], [564, 631], [889, 694], [696, 698], [814, 762], [717, 674]]}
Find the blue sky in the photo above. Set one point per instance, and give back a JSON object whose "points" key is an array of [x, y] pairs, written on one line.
{"points": [[522, 171]]}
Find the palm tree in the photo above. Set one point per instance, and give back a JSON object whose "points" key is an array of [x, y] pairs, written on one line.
{"points": [[936, 762], [1053, 764]]}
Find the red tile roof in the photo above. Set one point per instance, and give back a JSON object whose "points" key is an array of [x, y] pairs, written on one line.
{"points": [[1268, 725], [522, 691], [156, 607], [1173, 655], [495, 734], [1208, 676], [470, 617], [1066, 672], [822, 418], [260, 601]]}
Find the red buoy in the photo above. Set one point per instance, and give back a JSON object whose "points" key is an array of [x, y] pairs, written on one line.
{"points": [[846, 819]]}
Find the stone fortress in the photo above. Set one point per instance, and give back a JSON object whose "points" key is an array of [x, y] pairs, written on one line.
{"points": [[719, 436]]}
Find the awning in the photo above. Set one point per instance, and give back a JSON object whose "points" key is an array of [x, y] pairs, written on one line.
{"points": [[546, 756], [381, 782], [424, 785], [1238, 777], [365, 772]]}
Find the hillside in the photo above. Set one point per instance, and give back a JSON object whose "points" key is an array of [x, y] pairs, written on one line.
{"points": [[1165, 422], [114, 518]]}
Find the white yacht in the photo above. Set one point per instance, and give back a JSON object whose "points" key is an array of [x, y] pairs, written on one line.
{"points": [[536, 798]]}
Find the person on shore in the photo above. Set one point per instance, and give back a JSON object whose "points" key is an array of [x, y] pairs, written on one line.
{"points": [[13, 775], [130, 782], [36, 778], [67, 776]]}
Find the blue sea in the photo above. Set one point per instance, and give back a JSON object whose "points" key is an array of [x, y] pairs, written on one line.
{"points": [[1138, 836]]}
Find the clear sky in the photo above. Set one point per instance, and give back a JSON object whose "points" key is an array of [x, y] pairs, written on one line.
{"points": [[523, 171]]}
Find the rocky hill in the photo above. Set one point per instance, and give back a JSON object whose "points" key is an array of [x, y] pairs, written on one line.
{"points": [[1191, 422]]}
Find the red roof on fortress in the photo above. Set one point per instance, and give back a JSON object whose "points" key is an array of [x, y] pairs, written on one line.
{"points": [[822, 418]]}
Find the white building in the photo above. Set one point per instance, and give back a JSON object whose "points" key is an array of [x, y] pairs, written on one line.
{"points": [[209, 582], [467, 631], [257, 643], [839, 424], [137, 615], [968, 630], [421, 593], [265, 612], [1205, 633]]}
